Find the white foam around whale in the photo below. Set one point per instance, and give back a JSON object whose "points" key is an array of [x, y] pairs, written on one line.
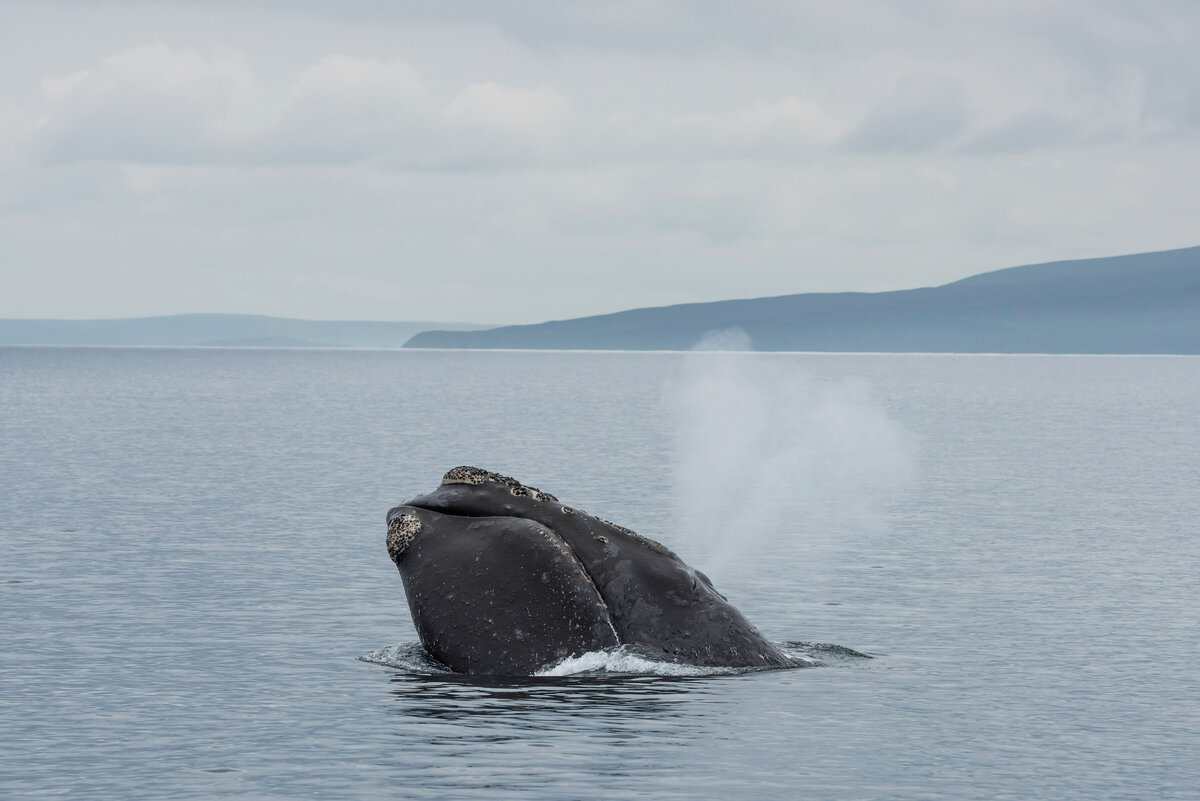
{"points": [[621, 661]]}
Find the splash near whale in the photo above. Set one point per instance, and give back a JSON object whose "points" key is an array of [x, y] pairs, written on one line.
{"points": [[503, 579]]}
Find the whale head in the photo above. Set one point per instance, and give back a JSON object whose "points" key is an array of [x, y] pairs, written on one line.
{"points": [[504, 579]]}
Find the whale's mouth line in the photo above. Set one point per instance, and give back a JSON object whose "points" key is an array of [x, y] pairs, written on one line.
{"points": [[451, 509], [431, 502]]}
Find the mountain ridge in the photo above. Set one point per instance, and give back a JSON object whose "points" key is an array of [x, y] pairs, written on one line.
{"points": [[210, 329], [1134, 303]]}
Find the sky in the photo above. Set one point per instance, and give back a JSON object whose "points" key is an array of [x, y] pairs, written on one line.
{"points": [[513, 162]]}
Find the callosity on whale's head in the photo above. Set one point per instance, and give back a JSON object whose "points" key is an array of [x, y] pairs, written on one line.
{"points": [[503, 579]]}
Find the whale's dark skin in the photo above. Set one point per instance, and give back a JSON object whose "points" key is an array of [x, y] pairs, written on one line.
{"points": [[503, 579]]}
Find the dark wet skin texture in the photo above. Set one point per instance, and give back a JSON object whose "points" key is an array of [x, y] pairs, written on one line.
{"points": [[503, 579]]}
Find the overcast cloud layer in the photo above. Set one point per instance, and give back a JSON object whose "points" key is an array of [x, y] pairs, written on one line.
{"points": [[508, 162]]}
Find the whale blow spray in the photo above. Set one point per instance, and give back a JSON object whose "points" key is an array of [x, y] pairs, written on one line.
{"points": [[766, 452]]}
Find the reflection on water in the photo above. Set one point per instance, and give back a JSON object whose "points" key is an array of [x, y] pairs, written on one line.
{"points": [[553, 737], [474, 701]]}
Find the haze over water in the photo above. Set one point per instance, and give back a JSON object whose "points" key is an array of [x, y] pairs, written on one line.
{"points": [[193, 562]]}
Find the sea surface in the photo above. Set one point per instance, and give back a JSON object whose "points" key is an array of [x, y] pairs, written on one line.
{"points": [[196, 601]]}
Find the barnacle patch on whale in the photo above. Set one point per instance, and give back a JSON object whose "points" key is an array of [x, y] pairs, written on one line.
{"points": [[401, 531], [465, 474]]}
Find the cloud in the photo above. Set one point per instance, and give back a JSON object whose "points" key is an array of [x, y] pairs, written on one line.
{"points": [[155, 105], [489, 125], [782, 129], [148, 103], [922, 114], [344, 109], [507, 108], [335, 77], [1034, 131], [656, 25], [1111, 110], [59, 88]]}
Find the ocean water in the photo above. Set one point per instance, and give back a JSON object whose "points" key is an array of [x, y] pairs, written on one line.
{"points": [[196, 602]]}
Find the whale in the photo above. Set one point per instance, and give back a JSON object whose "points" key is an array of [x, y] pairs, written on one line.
{"points": [[503, 579]]}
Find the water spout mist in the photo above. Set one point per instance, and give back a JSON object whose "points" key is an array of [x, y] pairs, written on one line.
{"points": [[764, 450]]}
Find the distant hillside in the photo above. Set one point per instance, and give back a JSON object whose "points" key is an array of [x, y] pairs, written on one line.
{"points": [[1143, 303], [221, 330]]}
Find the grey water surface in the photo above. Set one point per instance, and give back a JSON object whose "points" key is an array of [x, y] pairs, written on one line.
{"points": [[192, 562]]}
